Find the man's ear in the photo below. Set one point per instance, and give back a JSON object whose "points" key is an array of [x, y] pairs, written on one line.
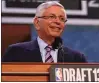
{"points": [[36, 23]]}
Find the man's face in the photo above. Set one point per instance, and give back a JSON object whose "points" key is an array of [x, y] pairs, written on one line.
{"points": [[51, 23]]}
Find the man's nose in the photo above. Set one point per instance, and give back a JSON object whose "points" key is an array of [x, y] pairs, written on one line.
{"points": [[57, 21]]}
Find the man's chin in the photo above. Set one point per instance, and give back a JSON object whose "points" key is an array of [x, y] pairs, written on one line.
{"points": [[55, 36]]}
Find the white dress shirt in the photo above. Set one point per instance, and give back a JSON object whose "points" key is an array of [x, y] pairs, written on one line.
{"points": [[42, 46]]}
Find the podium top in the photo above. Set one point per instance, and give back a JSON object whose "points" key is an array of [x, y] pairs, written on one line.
{"points": [[40, 63]]}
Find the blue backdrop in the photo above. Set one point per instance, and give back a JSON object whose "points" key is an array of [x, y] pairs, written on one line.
{"points": [[82, 38]]}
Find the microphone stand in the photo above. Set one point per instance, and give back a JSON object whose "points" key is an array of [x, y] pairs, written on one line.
{"points": [[57, 44], [61, 51]]}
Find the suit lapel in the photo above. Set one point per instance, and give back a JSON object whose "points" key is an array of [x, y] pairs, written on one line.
{"points": [[35, 52], [64, 58], [60, 57]]}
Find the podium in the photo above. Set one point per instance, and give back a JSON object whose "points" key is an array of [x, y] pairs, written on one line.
{"points": [[43, 72], [25, 72]]}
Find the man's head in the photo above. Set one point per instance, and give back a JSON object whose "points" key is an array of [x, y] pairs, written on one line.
{"points": [[50, 19]]}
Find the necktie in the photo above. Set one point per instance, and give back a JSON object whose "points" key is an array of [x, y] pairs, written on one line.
{"points": [[48, 56]]}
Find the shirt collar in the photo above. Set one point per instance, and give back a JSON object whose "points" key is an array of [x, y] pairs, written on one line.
{"points": [[41, 43]]}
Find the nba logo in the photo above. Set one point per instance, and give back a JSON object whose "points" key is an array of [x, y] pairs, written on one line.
{"points": [[58, 74]]}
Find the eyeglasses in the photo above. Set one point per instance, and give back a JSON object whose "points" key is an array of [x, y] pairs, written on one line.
{"points": [[53, 17]]}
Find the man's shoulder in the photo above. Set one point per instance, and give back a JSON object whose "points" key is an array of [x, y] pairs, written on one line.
{"points": [[75, 55], [23, 45], [71, 51], [16, 52]]}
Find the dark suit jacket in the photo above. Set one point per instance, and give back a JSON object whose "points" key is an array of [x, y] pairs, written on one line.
{"points": [[30, 52]]}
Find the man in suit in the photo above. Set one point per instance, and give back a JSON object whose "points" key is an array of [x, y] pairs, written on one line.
{"points": [[49, 21]]}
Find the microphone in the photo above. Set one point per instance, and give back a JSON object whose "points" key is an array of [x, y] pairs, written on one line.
{"points": [[58, 44]]}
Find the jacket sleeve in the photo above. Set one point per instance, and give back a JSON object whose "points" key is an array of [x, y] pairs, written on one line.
{"points": [[12, 54]]}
